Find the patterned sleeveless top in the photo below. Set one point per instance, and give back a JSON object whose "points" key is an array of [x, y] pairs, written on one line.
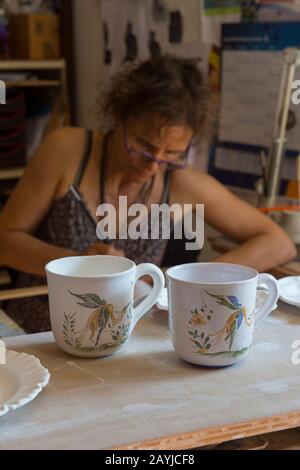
{"points": [[69, 225]]}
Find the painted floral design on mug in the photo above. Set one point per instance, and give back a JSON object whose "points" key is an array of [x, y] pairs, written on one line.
{"points": [[104, 316], [205, 342]]}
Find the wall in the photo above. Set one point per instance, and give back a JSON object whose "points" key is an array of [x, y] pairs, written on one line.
{"points": [[90, 71], [88, 58]]}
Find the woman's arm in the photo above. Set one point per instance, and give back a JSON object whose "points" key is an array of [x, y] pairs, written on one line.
{"points": [[29, 204], [263, 243]]}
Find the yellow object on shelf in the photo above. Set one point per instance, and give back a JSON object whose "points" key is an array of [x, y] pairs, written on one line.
{"points": [[35, 36], [293, 189]]}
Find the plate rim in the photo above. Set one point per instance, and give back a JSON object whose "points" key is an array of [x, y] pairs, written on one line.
{"points": [[35, 386], [282, 297]]}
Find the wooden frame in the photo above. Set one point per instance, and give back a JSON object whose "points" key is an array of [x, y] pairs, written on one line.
{"points": [[67, 40], [217, 435], [21, 293]]}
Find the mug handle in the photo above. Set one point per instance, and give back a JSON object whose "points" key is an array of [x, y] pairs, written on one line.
{"points": [[148, 269], [273, 294]]}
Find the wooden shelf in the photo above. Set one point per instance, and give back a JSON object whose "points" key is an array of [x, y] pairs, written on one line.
{"points": [[23, 292], [11, 173], [33, 83], [4, 277], [39, 79], [32, 64]]}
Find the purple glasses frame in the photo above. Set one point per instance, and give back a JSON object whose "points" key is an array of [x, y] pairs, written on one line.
{"points": [[142, 154]]}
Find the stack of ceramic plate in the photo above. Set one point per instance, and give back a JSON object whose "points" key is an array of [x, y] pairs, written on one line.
{"points": [[22, 378]]}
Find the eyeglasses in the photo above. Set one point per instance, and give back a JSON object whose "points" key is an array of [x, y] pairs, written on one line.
{"points": [[179, 163]]}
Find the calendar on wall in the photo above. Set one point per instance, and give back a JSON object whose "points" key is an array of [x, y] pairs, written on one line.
{"points": [[252, 62], [250, 86]]}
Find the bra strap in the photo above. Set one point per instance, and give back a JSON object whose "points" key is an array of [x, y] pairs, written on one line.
{"points": [[167, 184], [85, 158]]}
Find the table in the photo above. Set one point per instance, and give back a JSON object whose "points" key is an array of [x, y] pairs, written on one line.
{"points": [[145, 397]]}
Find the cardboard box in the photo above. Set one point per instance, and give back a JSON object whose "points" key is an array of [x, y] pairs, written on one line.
{"points": [[35, 36]]}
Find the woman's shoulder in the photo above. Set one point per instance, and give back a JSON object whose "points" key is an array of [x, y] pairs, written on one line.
{"points": [[183, 178], [67, 144], [59, 152], [192, 175], [65, 138], [71, 140], [192, 184]]}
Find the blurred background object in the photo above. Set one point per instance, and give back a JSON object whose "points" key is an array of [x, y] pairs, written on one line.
{"points": [[36, 51], [14, 7], [4, 39], [12, 130], [249, 10], [35, 36]]}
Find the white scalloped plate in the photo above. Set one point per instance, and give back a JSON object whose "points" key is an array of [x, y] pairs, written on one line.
{"points": [[289, 290], [22, 378]]}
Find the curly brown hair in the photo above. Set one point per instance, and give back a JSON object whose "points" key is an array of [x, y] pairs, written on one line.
{"points": [[169, 86]]}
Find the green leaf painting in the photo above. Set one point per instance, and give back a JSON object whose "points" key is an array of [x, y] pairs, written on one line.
{"points": [[89, 300]]}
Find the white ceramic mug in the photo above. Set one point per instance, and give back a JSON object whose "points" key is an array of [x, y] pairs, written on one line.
{"points": [[91, 302], [212, 310]]}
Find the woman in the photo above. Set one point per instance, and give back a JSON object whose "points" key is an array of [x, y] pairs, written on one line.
{"points": [[159, 108]]}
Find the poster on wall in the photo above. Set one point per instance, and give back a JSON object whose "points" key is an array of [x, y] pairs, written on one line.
{"points": [[277, 1], [216, 12], [282, 10], [221, 7]]}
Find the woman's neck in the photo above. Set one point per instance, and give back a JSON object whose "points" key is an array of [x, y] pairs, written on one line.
{"points": [[117, 170]]}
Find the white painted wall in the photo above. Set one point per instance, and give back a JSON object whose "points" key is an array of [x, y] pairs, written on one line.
{"points": [[88, 57], [90, 71], [191, 10]]}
